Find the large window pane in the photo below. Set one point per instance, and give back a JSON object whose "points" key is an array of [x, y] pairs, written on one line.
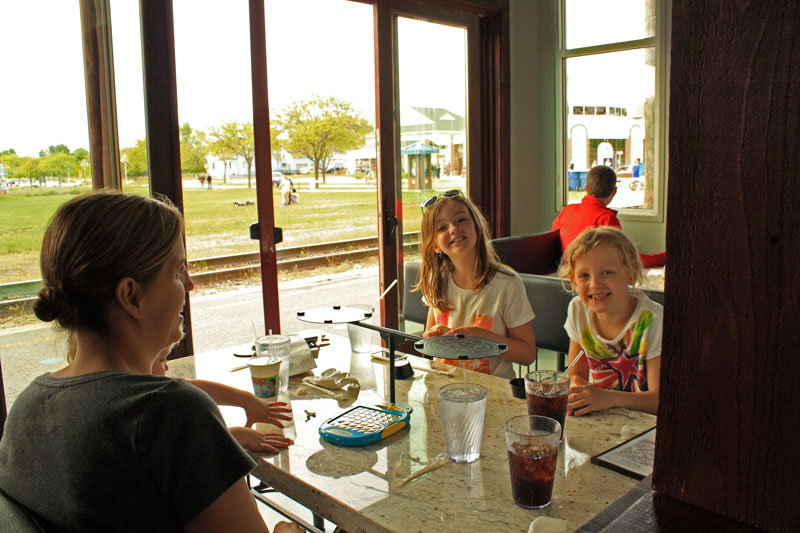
{"points": [[44, 141], [432, 66], [611, 121], [313, 80], [594, 22], [129, 87]]}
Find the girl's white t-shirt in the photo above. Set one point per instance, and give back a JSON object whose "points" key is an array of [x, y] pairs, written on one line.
{"points": [[501, 304], [618, 363]]}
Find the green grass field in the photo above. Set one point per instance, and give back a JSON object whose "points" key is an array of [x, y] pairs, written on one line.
{"points": [[214, 226]]}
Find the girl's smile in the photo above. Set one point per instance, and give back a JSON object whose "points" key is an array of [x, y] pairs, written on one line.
{"points": [[601, 280]]}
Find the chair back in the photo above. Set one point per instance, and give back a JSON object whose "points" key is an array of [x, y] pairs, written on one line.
{"points": [[532, 253], [549, 301], [413, 308], [14, 518], [655, 295]]}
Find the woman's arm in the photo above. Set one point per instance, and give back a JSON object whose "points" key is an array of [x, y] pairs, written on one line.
{"points": [[235, 510], [257, 409], [520, 340], [585, 399]]}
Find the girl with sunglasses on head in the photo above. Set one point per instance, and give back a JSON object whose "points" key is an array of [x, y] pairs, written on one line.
{"points": [[466, 287]]}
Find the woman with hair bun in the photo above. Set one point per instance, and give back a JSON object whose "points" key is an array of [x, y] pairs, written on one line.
{"points": [[103, 445]]}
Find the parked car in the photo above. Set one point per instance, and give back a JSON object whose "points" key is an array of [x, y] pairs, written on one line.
{"points": [[277, 179], [624, 171], [336, 167]]}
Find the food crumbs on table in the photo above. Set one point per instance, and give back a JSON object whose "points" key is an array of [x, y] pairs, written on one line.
{"points": [[309, 415]]}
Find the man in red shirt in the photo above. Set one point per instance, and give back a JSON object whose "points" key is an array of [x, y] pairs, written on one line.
{"points": [[601, 186]]}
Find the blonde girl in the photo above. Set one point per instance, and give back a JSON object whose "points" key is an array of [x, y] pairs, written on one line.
{"points": [[467, 288], [618, 327]]}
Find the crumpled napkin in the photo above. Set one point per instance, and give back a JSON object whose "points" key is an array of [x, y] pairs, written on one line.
{"points": [[544, 524], [334, 383], [300, 357]]}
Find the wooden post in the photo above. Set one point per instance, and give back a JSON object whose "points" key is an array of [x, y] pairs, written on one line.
{"points": [[161, 113], [728, 419], [98, 64]]}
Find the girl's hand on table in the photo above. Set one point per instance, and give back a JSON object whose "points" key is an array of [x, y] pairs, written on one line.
{"points": [[260, 410], [252, 440], [469, 331], [586, 398], [435, 331]]}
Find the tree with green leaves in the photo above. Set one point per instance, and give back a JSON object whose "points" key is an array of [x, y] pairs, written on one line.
{"points": [[319, 128], [52, 150], [29, 167], [137, 158], [59, 165], [233, 138], [275, 145], [193, 150], [223, 154]]}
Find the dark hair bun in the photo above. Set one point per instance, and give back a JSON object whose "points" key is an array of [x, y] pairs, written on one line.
{"points": [[53, 304]]}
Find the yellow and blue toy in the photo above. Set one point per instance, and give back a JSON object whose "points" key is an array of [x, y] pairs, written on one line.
{"points": [[361, 425]]}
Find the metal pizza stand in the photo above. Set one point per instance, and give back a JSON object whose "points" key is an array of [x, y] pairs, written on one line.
{"points": [[456, 347]]}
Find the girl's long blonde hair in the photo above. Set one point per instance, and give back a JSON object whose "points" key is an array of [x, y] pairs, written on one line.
{"points": [[432, 275]]}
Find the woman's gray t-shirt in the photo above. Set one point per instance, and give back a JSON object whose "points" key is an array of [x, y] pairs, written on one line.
{"points": [[115, 451]]}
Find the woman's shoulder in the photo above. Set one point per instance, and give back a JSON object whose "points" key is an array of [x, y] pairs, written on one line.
{"points": [[129, 386]]}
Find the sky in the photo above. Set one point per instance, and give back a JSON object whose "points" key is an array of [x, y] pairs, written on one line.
{"points": [[320, 47]]}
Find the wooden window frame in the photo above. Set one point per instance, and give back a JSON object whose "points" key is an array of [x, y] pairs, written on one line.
{"points": [[488, 127]]}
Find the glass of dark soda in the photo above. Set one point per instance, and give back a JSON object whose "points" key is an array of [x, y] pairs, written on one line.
{"points": [[532, 445], [547, 395]]}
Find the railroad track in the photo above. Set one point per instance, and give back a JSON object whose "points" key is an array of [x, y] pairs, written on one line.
{"points": [[19, 296]]}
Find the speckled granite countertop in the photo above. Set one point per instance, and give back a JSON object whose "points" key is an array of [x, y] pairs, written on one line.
{"points": [[361, 489]]}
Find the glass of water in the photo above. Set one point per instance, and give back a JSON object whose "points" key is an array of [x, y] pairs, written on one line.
{"points": [[463, 406]]}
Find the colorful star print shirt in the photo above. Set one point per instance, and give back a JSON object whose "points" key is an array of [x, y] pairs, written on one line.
{"points": [[501, 304], [618, 363]]}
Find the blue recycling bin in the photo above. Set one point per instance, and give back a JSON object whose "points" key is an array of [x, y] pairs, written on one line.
{"points": [[574, 180], [577, 179], [582, 177]]}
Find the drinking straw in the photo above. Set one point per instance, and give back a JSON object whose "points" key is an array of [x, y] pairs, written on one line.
{"points": [[392, 284], [505, 404], [566, 372], [255, 333]]}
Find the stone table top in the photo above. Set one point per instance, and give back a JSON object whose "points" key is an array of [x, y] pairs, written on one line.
{"points": [[362, 489]]}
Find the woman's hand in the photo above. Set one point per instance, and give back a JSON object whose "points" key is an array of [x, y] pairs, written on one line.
{"points": [[252, 440], [260, 410], [586, 398]]}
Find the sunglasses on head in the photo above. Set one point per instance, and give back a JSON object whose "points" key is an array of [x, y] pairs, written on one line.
{"points": [[452, 193]]}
